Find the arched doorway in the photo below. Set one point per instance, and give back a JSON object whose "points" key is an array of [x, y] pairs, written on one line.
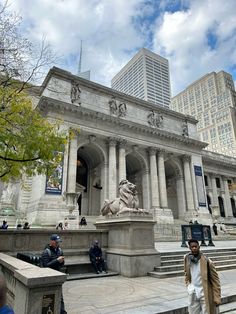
{"points": [[221, 205], [134, 173], [209, 204], [90, 162], [233, 206]]}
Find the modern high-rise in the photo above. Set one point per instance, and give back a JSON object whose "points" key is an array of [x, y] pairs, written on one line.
{"points": [[145, 76], [212, 101]]}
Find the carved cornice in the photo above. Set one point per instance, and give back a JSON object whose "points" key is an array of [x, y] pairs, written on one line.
{"points": [[47, 103]]}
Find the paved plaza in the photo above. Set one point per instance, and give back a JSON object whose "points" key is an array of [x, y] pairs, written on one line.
{"points": [[142, 295]]}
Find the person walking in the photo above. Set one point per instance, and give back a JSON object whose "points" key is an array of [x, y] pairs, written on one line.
{"points": [[95, 254], [202, 281], [53, 257]]}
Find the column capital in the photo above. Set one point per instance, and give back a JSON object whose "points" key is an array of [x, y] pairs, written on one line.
{"points": [[152, 151], [186, 158], [122, 143], [112, 141], [161, 152]]}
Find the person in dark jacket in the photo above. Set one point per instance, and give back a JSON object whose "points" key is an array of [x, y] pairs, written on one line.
{"points": [[95, 254], [52, 257], [4, 225]]}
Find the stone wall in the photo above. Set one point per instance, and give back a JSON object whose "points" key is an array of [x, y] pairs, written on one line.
{"points": [[32, 240]]}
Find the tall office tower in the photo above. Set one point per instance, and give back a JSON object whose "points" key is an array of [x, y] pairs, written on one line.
{"points": [[145, 76], [212, 101]]}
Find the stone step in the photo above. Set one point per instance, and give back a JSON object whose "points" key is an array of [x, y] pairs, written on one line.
{"points": [[90, 275], [228, 307], [217, 260], [209, 252], [179, 271]]}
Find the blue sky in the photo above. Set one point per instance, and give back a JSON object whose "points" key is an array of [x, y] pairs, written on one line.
{"points": [[196, 36]]}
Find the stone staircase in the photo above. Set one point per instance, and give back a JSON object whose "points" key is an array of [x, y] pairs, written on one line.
{"points": [[172, 262]]}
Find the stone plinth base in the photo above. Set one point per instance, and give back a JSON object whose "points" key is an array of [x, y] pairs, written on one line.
{"points": [[131, 250], [163, 215]]}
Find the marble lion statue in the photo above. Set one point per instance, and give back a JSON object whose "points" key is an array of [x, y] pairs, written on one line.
{"points": [[128, 198]]}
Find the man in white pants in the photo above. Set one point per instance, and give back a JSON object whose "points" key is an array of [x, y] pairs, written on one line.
{"points": [[202, 281]]}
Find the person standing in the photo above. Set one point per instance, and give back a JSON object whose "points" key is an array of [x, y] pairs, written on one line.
{"points": [[202, 281], [53, 257], [95, 254], [214, 227]]}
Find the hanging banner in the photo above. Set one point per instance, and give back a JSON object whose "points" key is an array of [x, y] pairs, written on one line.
{"points": [[200, 186], [54, 181]]}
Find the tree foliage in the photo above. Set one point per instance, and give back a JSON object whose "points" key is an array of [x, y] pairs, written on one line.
{"points": [[29, 143]]}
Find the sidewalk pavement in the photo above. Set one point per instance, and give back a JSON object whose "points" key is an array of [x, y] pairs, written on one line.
{"points": [[142, 295]]}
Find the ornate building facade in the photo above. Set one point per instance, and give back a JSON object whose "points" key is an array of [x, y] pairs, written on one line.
{"points": [[116, 137]]}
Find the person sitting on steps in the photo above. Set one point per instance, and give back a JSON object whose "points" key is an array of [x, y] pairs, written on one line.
{"points": [[95, 254]]}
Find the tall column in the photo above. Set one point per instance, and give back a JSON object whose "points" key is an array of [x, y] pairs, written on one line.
{"points": [[162, 179], [72, 166], [154, 179], [215, 202], [181, 199], [112, 188], [71, 174], [228, 206], [188, 184], [146, 189], [122, 160]]}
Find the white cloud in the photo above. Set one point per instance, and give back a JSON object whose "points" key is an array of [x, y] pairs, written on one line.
{"points": [[112, 31], [106, 28], [182, 36]]}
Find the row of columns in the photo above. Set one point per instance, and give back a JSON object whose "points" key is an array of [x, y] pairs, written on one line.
{"points": [[158, 191], [215, 202]]}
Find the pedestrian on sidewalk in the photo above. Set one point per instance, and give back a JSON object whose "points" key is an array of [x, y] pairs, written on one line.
{"points": [[202, 281]]}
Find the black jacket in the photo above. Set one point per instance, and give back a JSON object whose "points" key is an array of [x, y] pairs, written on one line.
{"points": [[95, 251], [49, 257]]}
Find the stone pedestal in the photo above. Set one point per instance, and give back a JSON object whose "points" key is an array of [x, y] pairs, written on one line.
{"points": [[163, 215], [131, 250]]}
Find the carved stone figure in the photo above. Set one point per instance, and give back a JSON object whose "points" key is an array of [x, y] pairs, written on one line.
{"points": [[185, 129], [122, 110], [128, 199], [155, 119], [75, 93], [113, 105]]}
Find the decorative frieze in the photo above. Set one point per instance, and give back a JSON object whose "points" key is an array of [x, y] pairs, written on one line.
{"points": [[116, 109], [155, 119]]}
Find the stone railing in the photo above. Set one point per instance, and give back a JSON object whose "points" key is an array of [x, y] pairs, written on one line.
{"points": [[30, 289]]}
